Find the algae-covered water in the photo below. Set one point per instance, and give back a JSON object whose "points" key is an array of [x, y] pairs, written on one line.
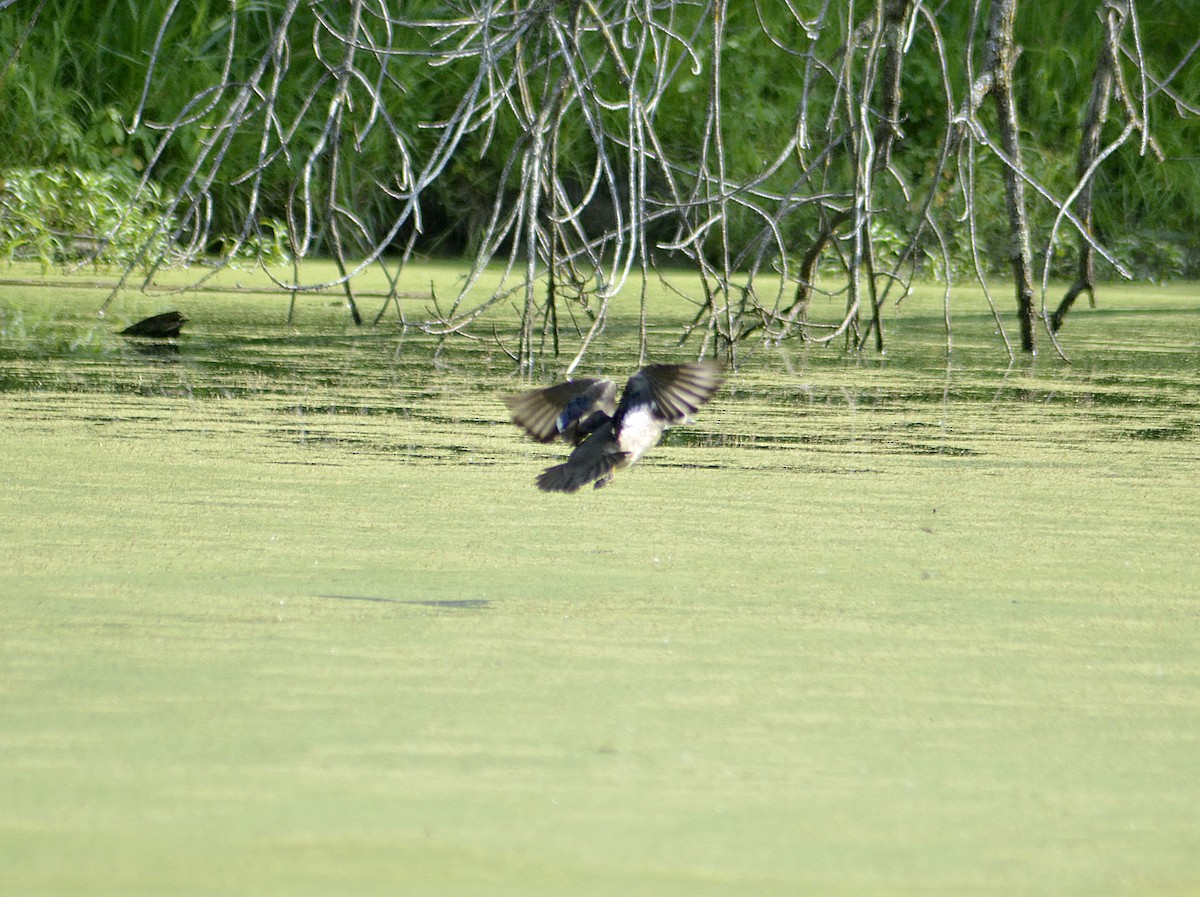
{"points": [[281, 612]]}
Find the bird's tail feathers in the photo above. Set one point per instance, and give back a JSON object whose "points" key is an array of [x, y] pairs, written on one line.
{"points": [[573, 474]]}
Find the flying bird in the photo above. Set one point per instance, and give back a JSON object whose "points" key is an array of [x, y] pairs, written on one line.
{"points": [[608, 435]]}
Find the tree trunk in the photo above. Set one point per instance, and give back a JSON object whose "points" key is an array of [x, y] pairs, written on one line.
{"points": [[894, 16], [1000, 57], [1116, 12]]}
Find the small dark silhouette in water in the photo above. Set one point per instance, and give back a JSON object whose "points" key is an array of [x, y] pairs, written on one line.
{"points": [[164, 326], [609, 436]]}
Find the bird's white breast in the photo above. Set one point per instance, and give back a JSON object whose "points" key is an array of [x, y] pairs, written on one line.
{"points": [[640, 430]]}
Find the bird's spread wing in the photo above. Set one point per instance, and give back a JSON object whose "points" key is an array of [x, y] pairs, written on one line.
{"points": [[593, 460], [676, 390], [561, 409]]}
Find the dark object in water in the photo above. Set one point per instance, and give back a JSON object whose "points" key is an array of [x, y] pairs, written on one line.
{"points": [[164, 326]]}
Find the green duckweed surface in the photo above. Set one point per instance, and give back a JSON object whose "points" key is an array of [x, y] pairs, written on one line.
{"points": [[281, 613]]}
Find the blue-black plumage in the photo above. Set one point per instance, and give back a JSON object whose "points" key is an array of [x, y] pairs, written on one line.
{"points": [[609, 436]]}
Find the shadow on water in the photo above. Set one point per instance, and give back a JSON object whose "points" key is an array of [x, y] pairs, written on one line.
{"points": [[1176, 431], [164, 350], [437, 603]]}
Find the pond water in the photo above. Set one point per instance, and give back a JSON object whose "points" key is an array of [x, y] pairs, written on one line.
{"points": [[283, 613]]}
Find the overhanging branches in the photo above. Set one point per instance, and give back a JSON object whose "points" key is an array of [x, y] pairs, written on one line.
{"points": [[613, 136]]}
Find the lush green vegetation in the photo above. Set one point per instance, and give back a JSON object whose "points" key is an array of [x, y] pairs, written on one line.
{"points": [[54, 215], [79, 97], [283, 614]]}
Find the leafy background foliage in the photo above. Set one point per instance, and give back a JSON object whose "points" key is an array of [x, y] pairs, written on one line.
{"points": [[81, 105]]}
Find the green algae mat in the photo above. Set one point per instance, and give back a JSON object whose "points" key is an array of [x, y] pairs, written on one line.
{"points": [[281, 613]]}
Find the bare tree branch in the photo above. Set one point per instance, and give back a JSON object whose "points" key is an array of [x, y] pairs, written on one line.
{"points": [[593, 183]]}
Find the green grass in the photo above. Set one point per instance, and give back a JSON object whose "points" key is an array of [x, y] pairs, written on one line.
{"points": [[287, 616]]}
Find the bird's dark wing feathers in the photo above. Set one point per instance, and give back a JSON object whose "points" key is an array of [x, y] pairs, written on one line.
{"points": [[537, 411], [594, 459], [676, 390], [585, 413]]}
